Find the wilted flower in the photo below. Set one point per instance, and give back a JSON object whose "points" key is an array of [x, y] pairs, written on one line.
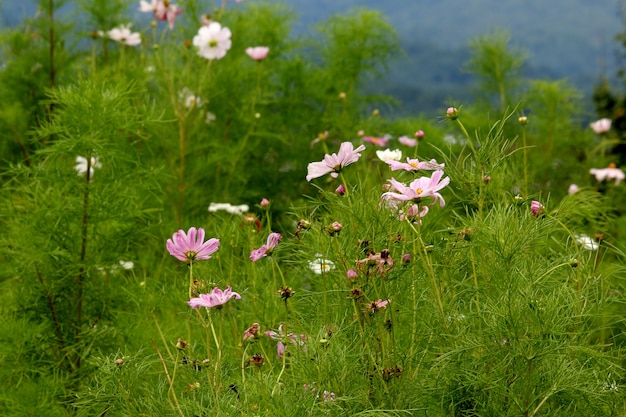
{"points": [[332, 164], [286, 292], [215, 298], [419, 189], [536, 208], [587, 242], [282, 337], [321, 266], [389, 155], [265, 250], [251, 332], [601, 126], [381, 262], [407, 141], [81, 165], [377, 305], [382, 142], [258, 53], [240, 209], [212, 41], [123, 35], [415, 165], [190, 246], [608, 174]]}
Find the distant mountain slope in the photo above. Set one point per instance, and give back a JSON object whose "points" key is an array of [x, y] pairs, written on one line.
{"points": [[571, 39]]}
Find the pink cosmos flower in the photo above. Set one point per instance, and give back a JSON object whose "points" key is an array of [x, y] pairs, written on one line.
{"points": [[282, 337], [419, 189], [332, 164], [407, 141], [263, 251], [415, 165], [608, 174], [213, 41], [215, 298], [258, 53], [190, 246], [601, 126], [536, 208], [162, 9], [382, 142]]}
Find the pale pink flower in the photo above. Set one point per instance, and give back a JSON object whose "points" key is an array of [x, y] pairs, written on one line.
{"points": [[407, 141], [536, 208], [282, 337], [213, 41], [163, 10], [573, 189], [332, 164], [123, 35], [258, 53], [415, 165], [608, 174], [265, 250], [352, 274], [382, 142], [601, 126], [190, 246], [265, 203], [215, 298], [419, 189]]}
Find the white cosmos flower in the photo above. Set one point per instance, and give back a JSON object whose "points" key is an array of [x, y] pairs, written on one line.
{"points": [[321, 265], [81, 165], [240, 209], [587, 242], [212, 41], [189, 98], [387, 154], [123, 35]]}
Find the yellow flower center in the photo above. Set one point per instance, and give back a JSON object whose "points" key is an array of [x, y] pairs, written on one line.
{"points": [[612, 165], [413, 164], [419, 191]]}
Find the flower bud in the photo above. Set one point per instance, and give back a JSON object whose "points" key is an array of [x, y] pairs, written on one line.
{"points": [[376, 113], [352, 274], [341, 190], [523, 120], [264, 203], [486, 179], [419, 135], [452, 113], [342, 96], [406, 258]]}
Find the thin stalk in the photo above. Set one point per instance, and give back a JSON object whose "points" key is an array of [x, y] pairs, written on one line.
{"points": [[524, 152], [172, 391]]}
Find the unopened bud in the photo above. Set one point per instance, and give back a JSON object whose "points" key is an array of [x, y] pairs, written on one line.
{"points": [[452, 113], [523, 120], [419, 135]]}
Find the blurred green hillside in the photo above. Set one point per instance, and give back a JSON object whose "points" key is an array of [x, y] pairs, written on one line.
{"points": [[571, 39]]}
